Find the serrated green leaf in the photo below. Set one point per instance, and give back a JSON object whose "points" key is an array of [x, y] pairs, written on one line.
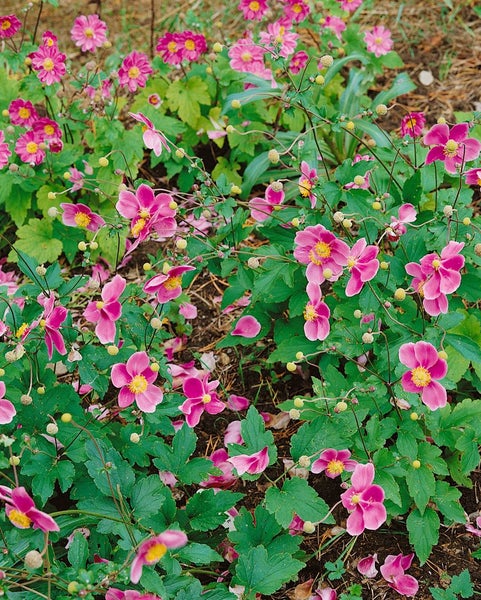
{"points": [[185, 97], [36, 240], [18, 203], [117, 475], [461, 584], [78, 551], [421, 485], [206, 509], [199, 554], [423, 532], [147, 496], [447, 498]]}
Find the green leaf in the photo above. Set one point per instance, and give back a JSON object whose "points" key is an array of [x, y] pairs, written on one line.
{"points": [[147, 496], [421, 485], [18, 203], [108, 469], [78, 551], [461, 584], [36, 240], [296, 498], [423, 532], [264, 574], [199, 554], [185, 96], [206, 509], [464, 345], [447, 500]]}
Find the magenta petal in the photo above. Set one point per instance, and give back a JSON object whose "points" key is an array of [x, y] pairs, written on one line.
{"points": [[459, 132], [362, 476], [407, 355], [193, 387], [439, 369], [7, 411], [105, 330], [127, 204], [137, 363], [136, 569], [435, 153], [438, 134], [145, 196], [434, 395], [172, 539], [21, 500], [374, 516], [406, 585], [119, 375], [367, 566], [126, 397], [407, 213], [355, 522], [472, 148], [247, 326], [113, 289], [195, 410], [42, 521], [409, 385]]}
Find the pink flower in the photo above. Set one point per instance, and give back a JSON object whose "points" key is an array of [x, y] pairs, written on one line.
{"points": [[363, 266], [247, 326], [49, 39], [227, 479], [7, 410], [50, 322], [364, 500], [233, 434], [307, 181], [9, 25], [5, 152], [262, 208], [29, 149], [153, 139], [46, 129], [134, 71], [425, 368], [188, 310], [88, 32], [80, 215], [21, 510], [378, 40], [393, 572], [298, 62], [367, 566], [323, 253], [247, 57], [335, 24], [106, 311], [193, 45], [201, 395], [452, 146], [153, 549], [237, 403], [147, 212], [135, 378], [396, 228], [278, 38], [22, 112], [116, 594], [296, 10], [49, 63], [366, 177], [473, 176], [167, 285], [316, 315], [475, 530], [170, 48], [433, 306], [333, 462], [350, 5], [412, 124], [253, 10], [76, 179], [251, 463]]}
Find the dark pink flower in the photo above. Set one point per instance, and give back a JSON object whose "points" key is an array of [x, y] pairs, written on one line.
{"points": [[169, 46], [367, 566], [251, 463], [279, 38], [298, 62], [475, 530], [116, 594], [247, 326], [316, 314], [9, 25], [451, 146], [167, 285], [397, 227], [50, 322], [262, 208], [473, 176], [247, 57], [7, 410], [307, 181], [227, 479], [378, 40], [134, 71], [237, 403], [107, 311], [49, 39], [253, 10], [425, 368], [363, 266], [135, 378], [22, 512], [49, 63], [80, 215], [193, 45], [333, 462], [434, 306], [364, 500], [22, 112], [153, 139], [412, 124], [29, 148], [153, 549], [200, 396], [89, 32], [233, 434], [393, 572], [296, 10], [350, 5], [5, 152], [46, 129]]}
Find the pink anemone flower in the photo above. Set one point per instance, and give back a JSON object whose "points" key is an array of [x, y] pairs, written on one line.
{"points": [[134, 71], [425, 368], [22, 112], [89, 32], [393, 572], [7, 410], [326, 593], [251, 463], [367, 566], [451, 146], [135, 378], [378, 40], [262, 208], [227, 479], [9, 25], [5, 151], [22, 512], [116, 594], [412, 124], [350, 5], [153, 139], [107, 311], [80, 215], [397, 227], [253, 10], [364, 500], [201, 396], [473, 176], [316, 315], [167, 285], [153, 549], [30, 149], [307, 181], [363, 266], [333, 462], [49, 63], [50, 322]]}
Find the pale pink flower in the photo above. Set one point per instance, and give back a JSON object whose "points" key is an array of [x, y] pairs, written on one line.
{"points": [[298, 62], [321, 251], [253, 10], [169, 46], [451, 146], [247, 326], [397, 227], [180, 372], [307, 181], [363, 266], [188, 310], [425, 368], [193, 45], [434, 306], [316, 314], [251, 463], [326, 593], [7, 410], [22, 512], [350, 5], [393, 572], [134, 71], [364, 500], [296, 10], [279, 39], [227, 479], [29, 149], [200, 396], [367, 175], [237, 403], [335, 24], [167, 285], [153, 139], [378, 40], [107, 311], [367, 566], [153, 549], [89, 32], [76, 179], [262, 208], [233, 434], [50, 322], [80, 215], [135, 378], [49, 63], [22, 112], [333, 462], [412, 124], [247, 57], [9, 25], [296, 526], [5, 152]]}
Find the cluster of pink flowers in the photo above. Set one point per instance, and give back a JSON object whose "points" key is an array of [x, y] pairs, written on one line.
{"points": [[134, 71], [89, 32], [436, 276], [48, 61], [176, 47], [378, 40], [393, 571], [253, 10], [9, 25], [248, 57], [451, 146]]}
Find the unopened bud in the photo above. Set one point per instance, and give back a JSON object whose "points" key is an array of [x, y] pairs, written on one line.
{"points": [[367, 338], [448, 211], [338, 217], [103, 161], [294, 414], [273, 156], [33, 559], [381, 110], [400, 294], [134, 438], [52, 428], [253, 262], [26, 400], [326, 60], [156, 323], [235, 104], [308, 527], [304, 461], [359, 180], [41, 270], [340, 407]]}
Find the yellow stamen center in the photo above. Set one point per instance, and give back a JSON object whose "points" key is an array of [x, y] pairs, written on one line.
{"points": [[246, 56], [31, 147], [144, 214], [189, 44], [138, 385], [411, 123], [172, 46], [355, 499], [351, 261], [335, 467], [320, 251], [99, 305], [296, 8], [172, 283], [420, 377], [155, 553], [378, 40], [206, 398], [19, 519], [89, 32], [305, 187], [82, 219], [48, 64], [21, 330], [310, 313], [137, 228], [49, 129], [24, 112], [42, 323], [6, 24], [254, 5], [451, 148], [134, 72], [436, 264]]}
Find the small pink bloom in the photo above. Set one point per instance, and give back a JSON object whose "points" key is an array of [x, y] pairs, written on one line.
{"points": [[5, 152], [188, 310], [9, 25], [451, 146], [425, 368], [253, 10], [412, 124], [367, 566], [170, 47], [22, 112], [153, 549], [279, 39], [107, 311], [393, 572], [227, 479], [135, 378], [298, 62], [473, 177], [49, 39], [335, 24], [333, 462], [50, 322], [80, 215], [378, 40], [326, 593], [248, 57], [193, 45], [116, 594], [134, 71], [296, 526], [307, 181], [238, 402], [89, 32], [475, 530], [49, 63], [364, 500], [247, 326], [47, 129], [397, 227], [316, 315], [350, 5], [233, 434], [251, 463], [29, 149], [363, 266], [200, 396], [262, 208], [296, 10], [7, 410], [153, 139], [168, 285], [21, 510]]}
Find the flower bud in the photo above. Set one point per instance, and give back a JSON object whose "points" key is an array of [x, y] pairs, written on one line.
{"points": [[134, 438], [66, 418], [253, 262], [448, 211], [217, 47], [112, 350], [26, 400], [298, 402], [155, 323], [308, 527], [359, 180], [181, 244], [82, 246], [304, 461], [416, 464], [52, 212], [357, 314], [94, 245], [235, 104], [52, 428], [273, 156], [400, 294], [103, 161], [291, 366], [466, 221], [319, 80], [41, 270], [295, 414], [326, 60], [367, 338], [381, 110], [33, 559], [340, 407], [338, 217]]}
